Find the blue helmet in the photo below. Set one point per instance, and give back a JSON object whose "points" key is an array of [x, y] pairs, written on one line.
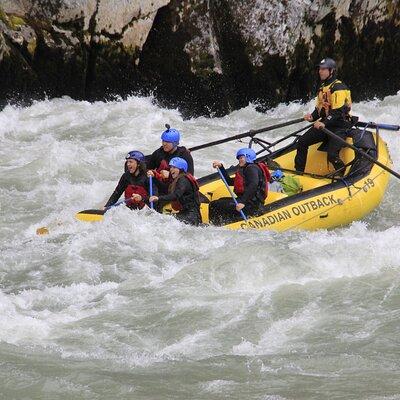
{"points": [[171, 135], [277, 175], [135, 155], [179, 162], [249, 154]]}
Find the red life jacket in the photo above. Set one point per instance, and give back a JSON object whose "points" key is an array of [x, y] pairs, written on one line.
{"points": [[238, 182], [163, 165], [135, 189], [267, 175], [176, 205], [157, 172]]}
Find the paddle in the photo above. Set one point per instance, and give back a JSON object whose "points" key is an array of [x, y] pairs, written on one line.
{"points": [[117, 203], [97, 215], [231, 193], [387, 127], [362, 153], [86, 215], [250, 133]]}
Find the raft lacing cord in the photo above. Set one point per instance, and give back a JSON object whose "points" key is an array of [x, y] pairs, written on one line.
{"points": [[332, 174], [367, 151], [359, 139], [357, 170], [351, 162], [363, 132], [346, 184], [348, 176]]}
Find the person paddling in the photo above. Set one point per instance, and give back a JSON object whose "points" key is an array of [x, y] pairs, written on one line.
{"points": [[159, 160], [134, 182], [183, 192], [250, 185]]}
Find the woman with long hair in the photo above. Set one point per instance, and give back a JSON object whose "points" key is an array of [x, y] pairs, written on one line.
{"points": [[134, 182]]}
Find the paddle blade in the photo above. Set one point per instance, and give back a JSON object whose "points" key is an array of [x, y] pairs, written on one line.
{"points": [[90, 215]]}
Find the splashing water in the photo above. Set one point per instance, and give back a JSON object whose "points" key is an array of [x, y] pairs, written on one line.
{"points": [[144, 307]]}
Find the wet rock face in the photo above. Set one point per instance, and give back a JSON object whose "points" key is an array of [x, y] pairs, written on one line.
{"points": [[206, 57], [82, 48]]}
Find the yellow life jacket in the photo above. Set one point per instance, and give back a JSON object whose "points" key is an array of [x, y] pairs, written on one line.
{"points": [[333, 96]]}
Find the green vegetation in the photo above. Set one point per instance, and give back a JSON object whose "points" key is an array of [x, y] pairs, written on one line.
{"points": [[12, 21]]}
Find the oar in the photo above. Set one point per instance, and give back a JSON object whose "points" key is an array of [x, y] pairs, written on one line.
{"points": [[231, 193], [117, 203], [387, 127], [362, 153], [86, 215], [97, 215], [250, 133]]}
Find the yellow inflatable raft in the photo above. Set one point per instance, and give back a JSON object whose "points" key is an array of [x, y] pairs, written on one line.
{"points": [[324, 202]]}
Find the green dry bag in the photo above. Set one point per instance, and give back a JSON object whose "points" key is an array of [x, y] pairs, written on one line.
{"points": [[291, 185]]}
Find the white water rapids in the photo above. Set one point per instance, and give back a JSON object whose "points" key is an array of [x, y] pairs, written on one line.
{"points": [[141, 306]]}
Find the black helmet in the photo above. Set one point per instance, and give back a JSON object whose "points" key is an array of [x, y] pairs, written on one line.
{"points": [[327, 63]]}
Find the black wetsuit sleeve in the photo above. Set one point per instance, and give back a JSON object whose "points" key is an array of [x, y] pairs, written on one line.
{"points": [[152, 161], [315, 114], [122, 184], [182, 186], [251, 178], [161, 186], [189, 160], [228, 179]]}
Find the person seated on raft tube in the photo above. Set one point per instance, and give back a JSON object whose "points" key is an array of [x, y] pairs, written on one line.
{"points": [[333, 106], [159, 159], [183, 192], [250, 184], [134, 182]]}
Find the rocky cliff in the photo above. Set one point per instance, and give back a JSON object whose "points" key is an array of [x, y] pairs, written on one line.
{"points": [[203, 56]]}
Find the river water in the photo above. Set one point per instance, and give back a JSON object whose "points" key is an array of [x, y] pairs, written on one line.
{"points": [[141, 306]]}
